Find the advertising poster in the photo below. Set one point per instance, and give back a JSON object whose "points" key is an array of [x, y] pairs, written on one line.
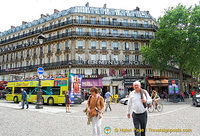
{"points": [[75, 84]]}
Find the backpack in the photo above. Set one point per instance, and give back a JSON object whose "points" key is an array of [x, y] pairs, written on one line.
{"points": [[148, 105]]}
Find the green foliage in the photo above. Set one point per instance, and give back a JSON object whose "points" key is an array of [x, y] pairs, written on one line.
{"points": [[176, 40]]}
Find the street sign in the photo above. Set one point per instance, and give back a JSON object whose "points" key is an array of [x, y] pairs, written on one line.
{"points": [[40, 70]]}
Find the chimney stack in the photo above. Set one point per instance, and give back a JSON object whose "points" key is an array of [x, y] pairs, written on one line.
{"points": [[24, 22], [105, 5], [42, 15], [56, 11], [12, 27], [137, 9], [87, 4]]}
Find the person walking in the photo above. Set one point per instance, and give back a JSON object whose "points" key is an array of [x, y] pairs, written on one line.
{"points": [[24, 98], [107, 96], [67, 101], [95, 107], [137, 103]]}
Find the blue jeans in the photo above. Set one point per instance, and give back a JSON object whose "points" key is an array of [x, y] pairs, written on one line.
{"points": [[26, 103]]}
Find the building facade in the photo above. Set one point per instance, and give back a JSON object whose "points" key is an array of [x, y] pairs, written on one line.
{"points": [[102, 44]]}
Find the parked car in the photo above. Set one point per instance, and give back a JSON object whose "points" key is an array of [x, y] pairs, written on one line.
{"points": [[124, 101], [196, 99], [2, 94]]}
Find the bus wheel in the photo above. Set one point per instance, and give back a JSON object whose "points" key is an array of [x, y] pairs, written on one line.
{"points": [[15, 99], [50, 101]]}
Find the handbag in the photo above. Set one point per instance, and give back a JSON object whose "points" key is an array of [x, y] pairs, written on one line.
{"points": [[148, 105]]}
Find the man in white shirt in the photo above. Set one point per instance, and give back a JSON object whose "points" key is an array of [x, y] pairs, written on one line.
{"points": [[137, 103]]}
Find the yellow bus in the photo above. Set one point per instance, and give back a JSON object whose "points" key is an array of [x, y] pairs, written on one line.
{"points": [[53, 91]]}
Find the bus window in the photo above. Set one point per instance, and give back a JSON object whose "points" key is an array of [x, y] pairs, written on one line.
{"points": [[9, 90], [17, 90], [56, 90]]}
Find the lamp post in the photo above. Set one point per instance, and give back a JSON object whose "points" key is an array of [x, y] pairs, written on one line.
{"points": [[24, 73], [39, 92], [70, 65]]}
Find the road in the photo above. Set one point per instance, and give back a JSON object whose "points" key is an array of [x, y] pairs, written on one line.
{"points": [[54, 121]]}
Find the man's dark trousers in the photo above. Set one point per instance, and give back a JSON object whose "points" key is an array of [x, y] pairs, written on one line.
{"points": [[140, 122]]}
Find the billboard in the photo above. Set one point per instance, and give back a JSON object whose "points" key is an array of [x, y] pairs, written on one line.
{"points": [[75, 84]]}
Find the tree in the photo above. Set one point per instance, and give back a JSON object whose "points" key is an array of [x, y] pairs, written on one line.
{"points": [[177, 41]]}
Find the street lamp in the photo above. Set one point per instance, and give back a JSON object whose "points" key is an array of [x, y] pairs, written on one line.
{"points": [[39, 92], [24, 73], [70, 65]]}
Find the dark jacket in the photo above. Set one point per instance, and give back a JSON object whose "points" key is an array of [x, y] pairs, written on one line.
{"points": [[24, 95]]}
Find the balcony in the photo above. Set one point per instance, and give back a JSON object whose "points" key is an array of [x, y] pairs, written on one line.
{"points": [[80, 47], [82, 22], [55, 65], [104, 48], [93, 48], [115, 48]]}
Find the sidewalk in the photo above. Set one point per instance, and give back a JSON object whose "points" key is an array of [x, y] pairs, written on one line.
{"points": [[186, 101]]}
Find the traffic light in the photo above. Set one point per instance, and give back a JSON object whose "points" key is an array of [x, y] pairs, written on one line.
{"points": [[173, 81]]}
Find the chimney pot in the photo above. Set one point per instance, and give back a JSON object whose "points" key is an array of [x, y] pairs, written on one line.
{"points": [[56, 11], [24, 22], [42, 15], [87, 4], [105, 5]]}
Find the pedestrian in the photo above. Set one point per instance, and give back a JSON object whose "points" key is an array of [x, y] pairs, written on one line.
{"points": [[107, 96], [95, 107], [137, 103], [182, 96], [67, 101], [24, 98]]}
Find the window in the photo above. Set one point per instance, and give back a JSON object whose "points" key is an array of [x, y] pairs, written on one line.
{"points": [[9, 90], [115, 32], [80, 20], [103, 21], [134, 23], [27, 53], [145, 23], [135, 34], [103, 45], [93, 45], [126, 58], [104, 57], [58, 47], [93, 57], [92, 32], [146, 34], [126, 46], [80, 44], [67, 45], [136, 58], [125, 22], [58, 58], [50, 48], [67, 57], [136, 46], [114, 22], [103, 31], [80, 31], [136, 72], [93, 20], [115, 58], [125, 33], [115, 46]]}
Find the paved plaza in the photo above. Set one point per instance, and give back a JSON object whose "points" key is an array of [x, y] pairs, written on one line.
{"points": [[54, 121]]}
